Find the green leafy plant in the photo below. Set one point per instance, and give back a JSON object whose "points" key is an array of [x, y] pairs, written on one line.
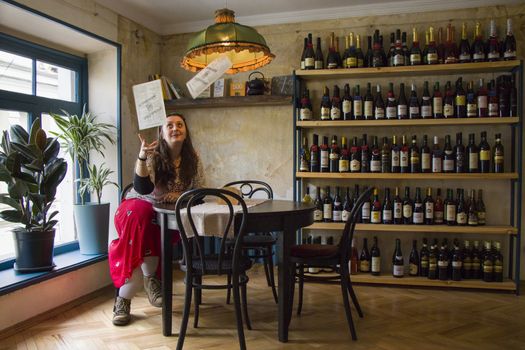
{"points": [[81, 135], [95, 182], [30, 167]]}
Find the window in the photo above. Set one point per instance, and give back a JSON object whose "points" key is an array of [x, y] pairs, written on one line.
{"points": [[34, 81]]}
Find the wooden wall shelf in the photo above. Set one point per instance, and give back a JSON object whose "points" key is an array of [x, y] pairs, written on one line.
{"points": [[228, 102], [436, 69], [489, 230], [408, 176], [405, 122]]}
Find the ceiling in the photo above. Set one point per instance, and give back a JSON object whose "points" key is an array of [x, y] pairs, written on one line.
{"points": [[183, 16]]}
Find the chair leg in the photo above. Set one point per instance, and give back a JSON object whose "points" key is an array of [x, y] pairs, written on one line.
{"points": [[244, 300], [229, 290], [198, 300], [266, 271], [289, 312], [238, 315], [344, 290], [269, 260], [354, 298], [301, 287], [185, 312]]}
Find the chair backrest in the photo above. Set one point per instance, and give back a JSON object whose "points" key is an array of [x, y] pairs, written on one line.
{"points": [[250, 187], [125, 191], [193, 246], [348, 231]]}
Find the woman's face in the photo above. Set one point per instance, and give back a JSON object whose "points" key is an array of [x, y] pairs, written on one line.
{"points": [[174, 131]]}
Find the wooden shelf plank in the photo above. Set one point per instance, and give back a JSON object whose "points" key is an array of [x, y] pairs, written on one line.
{"points": [[489, 230], [438, 69], [406, 122], [408, 176], [507, 284], [228, 102]]}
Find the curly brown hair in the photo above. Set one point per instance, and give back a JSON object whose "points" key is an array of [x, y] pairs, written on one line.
{"points": [[165, 169]]}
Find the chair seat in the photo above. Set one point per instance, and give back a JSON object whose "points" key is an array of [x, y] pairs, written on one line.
{"points": [[212, 265], [314, 251], [259, 239]]}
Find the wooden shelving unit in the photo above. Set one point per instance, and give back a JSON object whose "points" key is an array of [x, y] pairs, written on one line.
{"points": [[408, 176], [406, 122], [228, 102], [482, 230]]}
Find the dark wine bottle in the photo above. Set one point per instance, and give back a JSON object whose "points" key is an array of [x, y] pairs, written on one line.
{"points": [[365, 210], [476, 261], [345, 53], [337, 208], [369, 103], [467, 261], [327, 205], [461, 211], [318, 212], [407, 207], [406, 51], [347, 104], [369, 57], [334, 156], [397, 205], [395, 156], [415, 51], [448, 102], [378, 59], [375, 210], [425, 49], [449, 158], [376, 258], [472, 104], [391, 103], [365, 155], [404, 156], [358, 104], [386, 161], [304, 158], [354, 258], [437, 102], [359, 52], [413, 104], [493, 43], [387, 208], [344, 159], [402, 105], [351, 59], [332, 61], [457, 262], [498, 263], [459, 151], [426, 156], [480, 206], [309, 55], [472, 210], [432, 53], [443, 262], [429, 207], [488, 263], [439, 209], [325, 156], [418, 212], [398, 56], [303, 54], [493, 100], [437, 157], [347, 206], [364, 259], [379, 105], [415, 158], [483, 100], [326, 104], [440, 46], [314, 155], [461, 99], [433, 261], [391, 50], [426, 103], [319, 60], [398, 264], [413, 261], [498, 156], [305, 112], [464, 46], [484, 154], [513, 97], [473, 154], [478, 47], [335, 109], [509, 46], [355, 157], [375, 157], [450, 54], [424, 256], [450, 208]]}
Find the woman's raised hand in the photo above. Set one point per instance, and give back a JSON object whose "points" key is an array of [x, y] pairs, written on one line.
{"points": [[145, 148]]}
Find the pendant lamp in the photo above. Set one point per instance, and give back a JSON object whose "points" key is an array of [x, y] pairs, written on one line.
{"points": [[245, 47]]}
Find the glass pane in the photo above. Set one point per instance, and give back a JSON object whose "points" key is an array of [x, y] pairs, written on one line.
{"points": [[15, 73], [55, 82], [8, 118], [64, 199]]}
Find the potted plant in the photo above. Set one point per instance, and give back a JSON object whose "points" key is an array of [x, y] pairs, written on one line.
{"points": [[81, 135], [30, 167]]}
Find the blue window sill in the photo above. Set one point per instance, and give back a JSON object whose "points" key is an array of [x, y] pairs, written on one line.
{"points": [[11, 281]]}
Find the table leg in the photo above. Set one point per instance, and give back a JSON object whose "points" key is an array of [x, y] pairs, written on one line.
{"points": [[167, 274], [284, 242]]}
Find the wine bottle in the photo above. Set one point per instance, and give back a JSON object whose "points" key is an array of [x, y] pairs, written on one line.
{"points": [[398, 268], [375, 210], [472, 105], [325, 156], [478, 47], [413, 260], [364, 259], [480, 205], [369, 103], [509, 46], [443, 263], [378, 59], [307, 199], [493, 100], [426, 157], [376, 258], [402, 106], [432, 53], [379, 105], [439, 209], [391, 50], [347, 103], [335, 109], [314, 155], [448, 102], [449, 158], [359, 52], [365, 210], [326, 104], [387, 208], [395, 156], [464, 47], [461, 210], [304, 161], [488, 263], [375, 157], [467, 261], [346, 52], [355, 157], [344, 161], [433, 261], [497, 156], [404, 156], [450, 52], [347, 206], [472, 210], [425, 49], [305, 112], [369, 57], [337, 208], [473, 155], [450, 209], [327, 206], [476, 261], [437, 102], [426, 103], [415, 159], [406, 51], [351, 59], [493, 44], [386, 162], [303, 54], [398, 56], [440, 46], [437, 157], [483, 101], [319, 61], [498, 263], [391, 103], [429, 207], [365, 155], [407, 207], [337, 54], [334, 156], [413, 104], [318, 212], [461, 99], [418, 212], [503, 91], [309, 55], [354, 258], [332, 61], [397, 207], [457, 262], [415, 51], [424, 259], [459, 151], [484, 154], [358, 104]]}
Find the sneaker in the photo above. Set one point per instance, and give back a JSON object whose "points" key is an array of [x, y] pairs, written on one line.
{"points": [[152, 287], [121, 311]]}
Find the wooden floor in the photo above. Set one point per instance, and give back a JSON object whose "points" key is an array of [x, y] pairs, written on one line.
{"points": [[395, 318]]}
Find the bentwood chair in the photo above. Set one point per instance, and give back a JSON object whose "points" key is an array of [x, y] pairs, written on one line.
{"points": [[330, 256], [258, 245], [197, 264]]}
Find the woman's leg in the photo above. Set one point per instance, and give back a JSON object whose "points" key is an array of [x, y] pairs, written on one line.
{"points": [[151, 282], [122, 306]]}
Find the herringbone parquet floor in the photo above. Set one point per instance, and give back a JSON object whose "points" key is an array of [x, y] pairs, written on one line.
{"points": [[395, 318]]}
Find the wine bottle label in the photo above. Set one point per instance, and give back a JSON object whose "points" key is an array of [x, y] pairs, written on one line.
{"points": [[461, 218], [309, 62], [379, 113], [425, 161], [472, 110], [358, 108], [473, 219], [398, 210], [364, 266], [482, 101], [432, 264], [509, 54], [334, 157], [467, 265], [395, 158], [391, 113], [318, 215], [302, 64], [481, 217], [450, 212], [318, 65], [387, 214], [437, 104], [437, 165], [403, 159], [398, 270], [369, 109], [456, 264], [414, 158], [413, 269], [399, 60], [443, 263], [429, 210], [491, 55], [426, 111], [432, 58], [343, 165], [407, 211], [448, 165], [493, 109], [401, 110], [414, 110], [325, 113], [424, 263], [448, 110], [464, 57], [305, 114], [473, 160], [376, 217], [345, 215], [365, 211], [324, 159], [355, 165], [327, 211], [332, 65], [415, 58], [337, 215], [478, 56], [351, 62], [487, 267], [360, 63], [438, 217], [484, 155], [498, 268], [335, 113], [418, 218], [375, 165], [376, 264], [304, 165], [461, 100], [347, 106]]}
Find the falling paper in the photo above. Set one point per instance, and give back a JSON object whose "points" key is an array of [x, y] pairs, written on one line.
{"points": [[149, 104], [208, 75]]}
